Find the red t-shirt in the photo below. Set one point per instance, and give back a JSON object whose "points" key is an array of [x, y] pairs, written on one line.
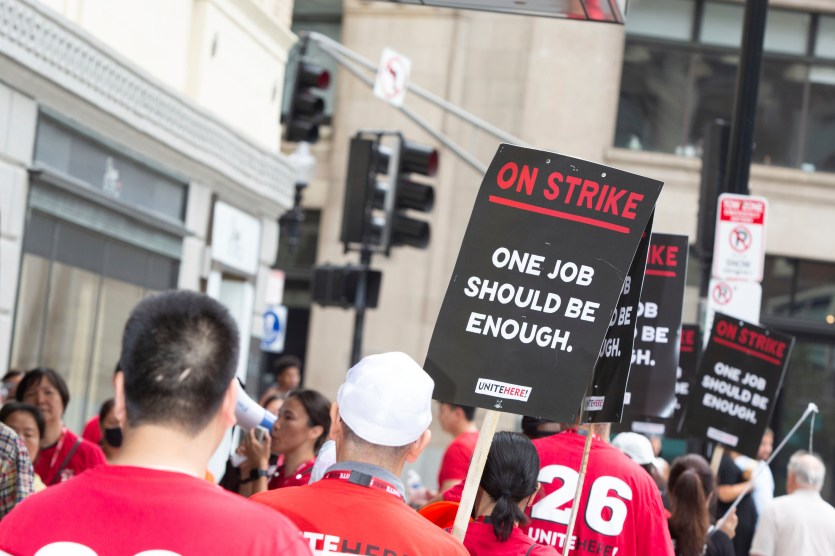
{"points": [[620, 507], [283, 479], [92, 431], [122, 510], [86, 456], [480, 540], [343, 517], [456, 460]]}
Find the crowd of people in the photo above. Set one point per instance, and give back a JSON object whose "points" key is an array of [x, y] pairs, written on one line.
{"points": [[326, 479]]}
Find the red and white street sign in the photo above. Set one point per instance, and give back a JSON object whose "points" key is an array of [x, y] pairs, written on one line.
{"points": [[738, 299], [739, 249], [392, 77]]}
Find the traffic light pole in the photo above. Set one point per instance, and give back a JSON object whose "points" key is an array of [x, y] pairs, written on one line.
{"points": [[360, 304]]}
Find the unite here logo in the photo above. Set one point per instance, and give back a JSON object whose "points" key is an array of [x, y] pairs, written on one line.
{"points": [[504, 390]]}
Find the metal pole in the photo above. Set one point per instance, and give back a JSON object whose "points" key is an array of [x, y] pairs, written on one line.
{"points": [[360, 303], [745, 98]]}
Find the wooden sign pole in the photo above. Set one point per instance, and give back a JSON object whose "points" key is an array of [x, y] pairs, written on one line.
{"points": [[716, 458], [579, 492], [482, 448]]}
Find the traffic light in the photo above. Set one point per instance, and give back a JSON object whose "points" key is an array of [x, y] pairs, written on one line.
{"points": [[410, 194], [381, 187], [337, 286], [306, 109], [365, 193]]}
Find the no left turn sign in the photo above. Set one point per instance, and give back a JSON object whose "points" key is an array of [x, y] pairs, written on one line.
{"points": [[392, 77]]}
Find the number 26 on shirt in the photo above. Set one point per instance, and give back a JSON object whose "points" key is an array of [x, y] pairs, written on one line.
{"points": [[609, 523]]}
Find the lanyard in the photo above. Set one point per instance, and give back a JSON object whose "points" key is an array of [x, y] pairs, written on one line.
{"points": [[58, 447], [363, 479]]}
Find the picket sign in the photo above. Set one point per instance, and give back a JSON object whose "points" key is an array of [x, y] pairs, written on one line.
{"points": [[578, 493], [482, 448]]}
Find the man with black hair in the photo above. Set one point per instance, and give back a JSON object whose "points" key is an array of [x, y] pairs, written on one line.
{"points": [[175, 397], [287, 370], [457, 420], [379, 422]]}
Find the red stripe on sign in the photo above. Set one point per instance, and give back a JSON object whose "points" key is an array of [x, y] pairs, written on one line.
{"points": [[686, 349], [743, 349], [559, 214], [653, 272]]}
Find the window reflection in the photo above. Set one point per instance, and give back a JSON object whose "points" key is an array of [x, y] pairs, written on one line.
{"points": [[76, 290], [820, 130], [653, 86], [810, 378], [778, 128]]}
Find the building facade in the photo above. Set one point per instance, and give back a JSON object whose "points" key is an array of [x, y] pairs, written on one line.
{"points": [[139, 153]]}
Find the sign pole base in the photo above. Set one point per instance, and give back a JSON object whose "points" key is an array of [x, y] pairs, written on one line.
{"points": [[482, 448]]}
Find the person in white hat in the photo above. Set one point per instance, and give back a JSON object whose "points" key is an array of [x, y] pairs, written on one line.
{"points": [[379, 422]]}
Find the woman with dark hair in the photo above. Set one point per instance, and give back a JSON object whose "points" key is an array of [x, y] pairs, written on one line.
{"points": [[111, 430], [691, 492], [302, 427], [63, 455], [26, 420], [508, 486]]}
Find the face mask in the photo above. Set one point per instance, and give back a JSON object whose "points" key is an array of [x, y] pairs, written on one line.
{"points": [[113, 436]]}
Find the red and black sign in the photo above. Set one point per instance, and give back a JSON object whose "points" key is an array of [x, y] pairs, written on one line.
{"points": [[651, 390], [542, 264], [690, 350], [604, 400], [740, 376]]}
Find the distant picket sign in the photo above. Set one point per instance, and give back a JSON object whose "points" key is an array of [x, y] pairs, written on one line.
{"points": [[539, 273], [740, 377]]}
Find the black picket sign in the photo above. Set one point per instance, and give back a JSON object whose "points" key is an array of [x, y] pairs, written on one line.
{"points": [[740, 376], [690, 350], [651, 389], [549, 243], [604, 400]]}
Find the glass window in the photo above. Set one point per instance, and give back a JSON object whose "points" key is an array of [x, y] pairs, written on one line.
{"points": [[32, 294], [819, 153], [825, 41], [663, 19], [810, 376], [787, 32], [714, 80], [65, 149], [778, 128], [76, 290], [652, 93], [815, 291], [115, 304], [68, 333], [722, 24], [778, 277]]}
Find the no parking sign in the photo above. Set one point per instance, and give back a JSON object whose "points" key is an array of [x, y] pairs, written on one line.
{"points": [[740, 238]]}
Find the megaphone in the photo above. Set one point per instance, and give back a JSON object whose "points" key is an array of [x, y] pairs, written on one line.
{"points": [[249, 414]]}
